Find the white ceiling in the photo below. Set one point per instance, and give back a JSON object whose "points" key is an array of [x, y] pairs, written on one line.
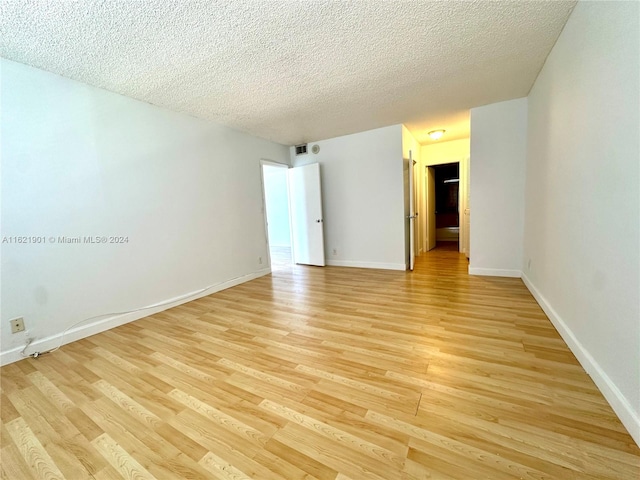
{"points": [[295, 71]]}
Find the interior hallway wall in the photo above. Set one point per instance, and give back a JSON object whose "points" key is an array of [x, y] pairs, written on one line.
{"points": [[439, 152], [498, 153]]}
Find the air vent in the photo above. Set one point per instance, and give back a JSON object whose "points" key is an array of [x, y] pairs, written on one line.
{"points": [[301, 149]]}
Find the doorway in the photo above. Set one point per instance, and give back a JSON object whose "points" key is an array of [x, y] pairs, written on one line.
{"points": [[445, 203], [276, 201], [447, 181]]}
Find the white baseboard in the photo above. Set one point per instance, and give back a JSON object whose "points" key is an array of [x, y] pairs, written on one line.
{"points": [[382, 266], [628, 416], [97, 326], [495, 272]]}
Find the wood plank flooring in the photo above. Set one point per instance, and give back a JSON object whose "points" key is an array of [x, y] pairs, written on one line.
{"points": [[280, 258], [320, 373]]}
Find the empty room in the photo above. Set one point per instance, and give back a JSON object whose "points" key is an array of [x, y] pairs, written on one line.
{"points": [[333, 240]]}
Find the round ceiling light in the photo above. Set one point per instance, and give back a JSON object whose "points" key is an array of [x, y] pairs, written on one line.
{"points": [[435, 134]]}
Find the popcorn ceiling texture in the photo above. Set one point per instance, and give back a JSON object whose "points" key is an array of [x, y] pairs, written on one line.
{"points": [[294, 71]]}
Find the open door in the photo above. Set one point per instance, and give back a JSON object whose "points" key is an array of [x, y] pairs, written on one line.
{"points": [[412, 213], [430, 194], [466, 209], [307, 229]]}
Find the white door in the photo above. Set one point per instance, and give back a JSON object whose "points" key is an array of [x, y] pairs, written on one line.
{"points": [[307, 230], [412, 214], [430, 186], [467, 211]]}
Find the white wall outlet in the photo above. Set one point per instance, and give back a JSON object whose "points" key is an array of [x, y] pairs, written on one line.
{"points": [[260, 260], [17, 325], [529, 265], [334, 252]]}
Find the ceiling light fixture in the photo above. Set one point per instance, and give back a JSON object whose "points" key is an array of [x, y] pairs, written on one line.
{"points": [[435, 134]]}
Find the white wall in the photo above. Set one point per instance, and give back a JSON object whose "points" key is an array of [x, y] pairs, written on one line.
{"points": [[498, 153], [277, 205], [80, 161], [582, 218], [446, 152], [362, 188]]}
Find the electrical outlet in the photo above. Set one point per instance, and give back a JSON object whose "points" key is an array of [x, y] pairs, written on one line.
{"points": [[260, 260], [334, 252], [17, 325], [529, 265]]}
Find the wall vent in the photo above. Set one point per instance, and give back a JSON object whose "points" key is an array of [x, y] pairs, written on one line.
{"points": [[301, 149]]}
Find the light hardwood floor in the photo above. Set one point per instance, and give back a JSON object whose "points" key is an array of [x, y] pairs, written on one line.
{"points": [[328, 373], [280, 258]]}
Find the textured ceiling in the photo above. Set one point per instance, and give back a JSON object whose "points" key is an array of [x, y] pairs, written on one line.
{"points": [[294, 71]]}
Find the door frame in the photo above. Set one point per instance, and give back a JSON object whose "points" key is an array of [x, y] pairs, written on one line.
{"points": [[464, 173], [263, 163], [429, 208]]}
